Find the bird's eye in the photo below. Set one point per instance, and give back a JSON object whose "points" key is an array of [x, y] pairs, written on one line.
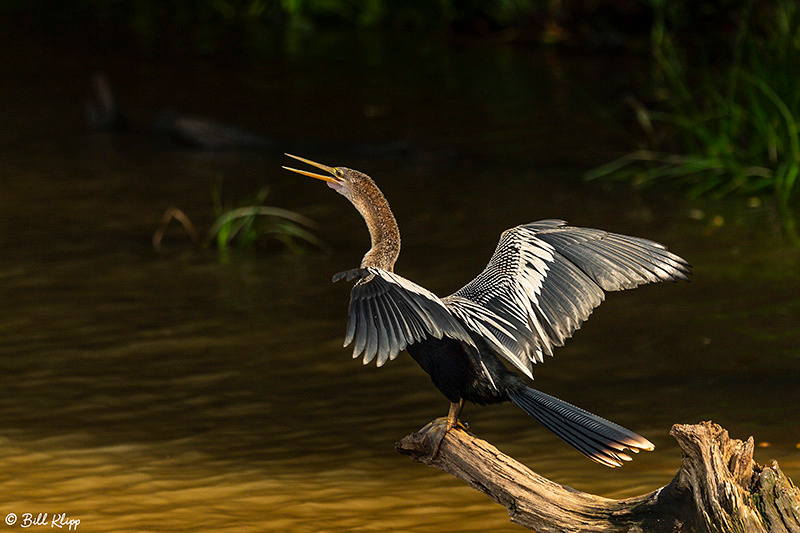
{"points": [[338, 173]]}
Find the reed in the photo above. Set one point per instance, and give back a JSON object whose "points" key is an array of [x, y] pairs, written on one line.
{"points": [[247, 225], [725, 128]]}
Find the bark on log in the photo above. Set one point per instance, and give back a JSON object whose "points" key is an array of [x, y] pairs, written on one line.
{"points": [[718, 488]]}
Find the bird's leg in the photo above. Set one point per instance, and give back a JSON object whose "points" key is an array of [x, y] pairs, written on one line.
{"points": [[450, 422], [455, 411]]}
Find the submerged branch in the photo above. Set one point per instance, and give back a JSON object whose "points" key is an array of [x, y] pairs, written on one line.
{"points": [[180, 216], [718, 487]]}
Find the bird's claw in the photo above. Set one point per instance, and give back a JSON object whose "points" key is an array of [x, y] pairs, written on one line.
{"points": [[437, 431]]}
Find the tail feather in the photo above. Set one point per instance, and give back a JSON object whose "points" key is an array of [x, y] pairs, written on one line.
{"points": [[597, 438], [603, 451]]}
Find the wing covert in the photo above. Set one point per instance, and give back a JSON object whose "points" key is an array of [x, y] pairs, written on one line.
{"points": [[388, 312], [545, 278]]}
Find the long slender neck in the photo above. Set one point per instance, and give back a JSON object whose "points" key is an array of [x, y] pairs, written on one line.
{"points": [[383, 230]]}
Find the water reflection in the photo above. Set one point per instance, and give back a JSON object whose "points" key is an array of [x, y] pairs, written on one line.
{"points": [[162, 392]]}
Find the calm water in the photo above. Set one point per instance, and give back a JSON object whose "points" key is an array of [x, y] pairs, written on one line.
{"points": [[166, 391]]}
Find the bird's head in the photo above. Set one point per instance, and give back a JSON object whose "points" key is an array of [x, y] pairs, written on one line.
{"points": [[343, 180], [370, 202]]}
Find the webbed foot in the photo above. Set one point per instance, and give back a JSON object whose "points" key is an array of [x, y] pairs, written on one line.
{"points": [[437, 430]]}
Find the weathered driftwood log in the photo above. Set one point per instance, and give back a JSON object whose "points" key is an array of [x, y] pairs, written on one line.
{"points": [[718, 488]]}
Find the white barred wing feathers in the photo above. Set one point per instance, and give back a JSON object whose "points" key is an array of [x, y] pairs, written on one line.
{"points": [[388, 312], [545, 279]]}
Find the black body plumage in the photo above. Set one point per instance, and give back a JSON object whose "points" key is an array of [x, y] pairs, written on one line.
{"points": [[543, 280]]}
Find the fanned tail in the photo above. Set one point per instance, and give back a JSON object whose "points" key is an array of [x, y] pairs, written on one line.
{"points": [[595, 437]]}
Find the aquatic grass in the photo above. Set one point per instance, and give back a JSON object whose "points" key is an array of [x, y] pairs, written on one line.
{"points": [[724, 126], [241, 226], [246, 226]]}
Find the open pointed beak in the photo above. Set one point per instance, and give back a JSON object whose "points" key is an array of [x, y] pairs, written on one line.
{"points": [[320, 166]]}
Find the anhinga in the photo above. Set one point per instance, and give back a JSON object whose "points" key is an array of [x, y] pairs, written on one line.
{"points": [[542, 282]]}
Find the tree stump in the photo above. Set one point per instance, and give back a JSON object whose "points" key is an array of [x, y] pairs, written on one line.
{"points": [[718, 488]]}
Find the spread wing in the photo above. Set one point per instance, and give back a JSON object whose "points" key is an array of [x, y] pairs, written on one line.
{"points": [[389, 312], [545, 278]]}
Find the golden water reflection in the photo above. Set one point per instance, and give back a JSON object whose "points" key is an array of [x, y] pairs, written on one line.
{"points": [[169, 391]]}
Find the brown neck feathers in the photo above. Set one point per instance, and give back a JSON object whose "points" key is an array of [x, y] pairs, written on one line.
{"points": [[383, 230]]}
